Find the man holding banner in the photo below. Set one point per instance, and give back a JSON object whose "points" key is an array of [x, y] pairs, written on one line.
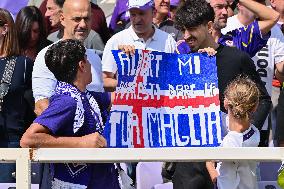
{"points": [[142, 34], [230, 63]]}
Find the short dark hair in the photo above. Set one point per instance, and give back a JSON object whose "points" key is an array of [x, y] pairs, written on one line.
{"points": [[59, 2], [24, 22], [63, 58], [193, 13]]}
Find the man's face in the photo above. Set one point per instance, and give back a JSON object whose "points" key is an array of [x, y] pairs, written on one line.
{"points": [[141, 20], [162, 6], [76, 19], [34, 34], [53, 13], [221, 13], [278, 5], [196, 37]]}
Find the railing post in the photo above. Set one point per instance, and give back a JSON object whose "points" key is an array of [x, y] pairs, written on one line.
{"points": [[23, 169]]}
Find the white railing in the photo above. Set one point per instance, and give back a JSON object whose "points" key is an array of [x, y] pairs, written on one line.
{"points": [[24, 157]]}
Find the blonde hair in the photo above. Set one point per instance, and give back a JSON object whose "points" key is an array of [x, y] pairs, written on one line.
{"points": [[241, 97], [10, 45]]}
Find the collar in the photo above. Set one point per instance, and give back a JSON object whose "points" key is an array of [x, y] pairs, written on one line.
{"points": [[136, 38], [78, 96]]}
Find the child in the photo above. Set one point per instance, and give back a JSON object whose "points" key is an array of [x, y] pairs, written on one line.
{"points": [[241, 100]]}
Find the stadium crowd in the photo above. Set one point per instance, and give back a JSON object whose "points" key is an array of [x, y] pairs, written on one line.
{"points": [[58, 75]]}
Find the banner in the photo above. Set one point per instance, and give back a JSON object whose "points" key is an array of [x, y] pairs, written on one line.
{"points": [[165, 100]]}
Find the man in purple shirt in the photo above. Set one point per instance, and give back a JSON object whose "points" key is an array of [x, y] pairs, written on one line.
{"points": [[249, 39], [73, 119]]}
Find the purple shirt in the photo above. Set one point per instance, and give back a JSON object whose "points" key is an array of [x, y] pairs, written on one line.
{"points": [[59, 118], [119, 13], [247, 39]]}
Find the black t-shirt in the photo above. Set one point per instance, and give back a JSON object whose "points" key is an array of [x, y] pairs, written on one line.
{"points": [[232, 62], [15, 106]]}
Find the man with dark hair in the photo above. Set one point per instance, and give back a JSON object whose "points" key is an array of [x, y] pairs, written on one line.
{"points": [[72, 120], [196, 19], [249, 39]]}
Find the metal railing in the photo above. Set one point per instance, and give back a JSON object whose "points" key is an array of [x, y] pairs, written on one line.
{"points": [[24, 156]]}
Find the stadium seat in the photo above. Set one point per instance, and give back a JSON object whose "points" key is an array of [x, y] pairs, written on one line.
{"points": [[168, 185], [148, 174]]}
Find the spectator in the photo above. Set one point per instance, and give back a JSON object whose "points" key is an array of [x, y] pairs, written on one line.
{"points": [[93, 41], [197, 26], [278, 5], [162, 19], [72, 120], [250, 39], [120, 17], [98, 24], [241, 100], [31, 31], [16, 73], [44, 81], [265, 60], [140, 35]]}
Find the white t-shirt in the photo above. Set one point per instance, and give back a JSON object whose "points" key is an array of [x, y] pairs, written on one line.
{"points": [[267, 57], [160, 41], [44, 82], [239, 175]]}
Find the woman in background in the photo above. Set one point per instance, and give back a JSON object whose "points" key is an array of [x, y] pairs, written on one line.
{"points": [[14, 105], [31, 30]]}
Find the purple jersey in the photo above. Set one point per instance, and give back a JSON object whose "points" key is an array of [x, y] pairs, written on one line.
{"points": [[59, 119], [247, 39], [119, 13]]}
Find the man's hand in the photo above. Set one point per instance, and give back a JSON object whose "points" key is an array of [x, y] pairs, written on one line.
{"points": [[94, 140], [210, 51], [127, 49]]}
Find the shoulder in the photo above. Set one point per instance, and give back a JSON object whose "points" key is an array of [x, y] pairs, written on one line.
{"points": [[62, 102], [233, 139]]}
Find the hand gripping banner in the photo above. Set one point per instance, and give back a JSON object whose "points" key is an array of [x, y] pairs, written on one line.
{"points": [[165, 100]]}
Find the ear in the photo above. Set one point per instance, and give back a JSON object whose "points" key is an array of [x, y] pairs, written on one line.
{"points": [[61, 18], [82, 66], [210, 25], [226, 103], [5, 29]]}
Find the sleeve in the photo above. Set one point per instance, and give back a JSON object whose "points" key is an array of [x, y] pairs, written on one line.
{"points": [[114, 17], [264, 106], [108, 62], [278, 45], [43, 80], [171, 44], [249, 38], [59, 114]]}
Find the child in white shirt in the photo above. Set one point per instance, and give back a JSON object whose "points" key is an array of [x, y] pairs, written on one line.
{"points": [[241, 100]]}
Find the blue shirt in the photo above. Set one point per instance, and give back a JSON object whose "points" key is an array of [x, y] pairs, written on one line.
{"points": [[247, 39], [59, 118]]}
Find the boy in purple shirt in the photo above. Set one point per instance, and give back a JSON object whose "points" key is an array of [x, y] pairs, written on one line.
{"points": [[72, 120]]}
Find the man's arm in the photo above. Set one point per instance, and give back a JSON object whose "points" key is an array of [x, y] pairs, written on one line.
{"points": [[279, 71], [38, 136], [267, 16], [41, 105], [110, 81]]}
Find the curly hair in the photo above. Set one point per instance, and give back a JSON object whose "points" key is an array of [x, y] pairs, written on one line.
{"points": [[193, 13], [242, 96], [63, 58]]}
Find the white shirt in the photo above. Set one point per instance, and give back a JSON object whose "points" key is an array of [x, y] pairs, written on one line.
{"points": [[160, 41], [44, 82], [267, 57], [239, 175]]}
